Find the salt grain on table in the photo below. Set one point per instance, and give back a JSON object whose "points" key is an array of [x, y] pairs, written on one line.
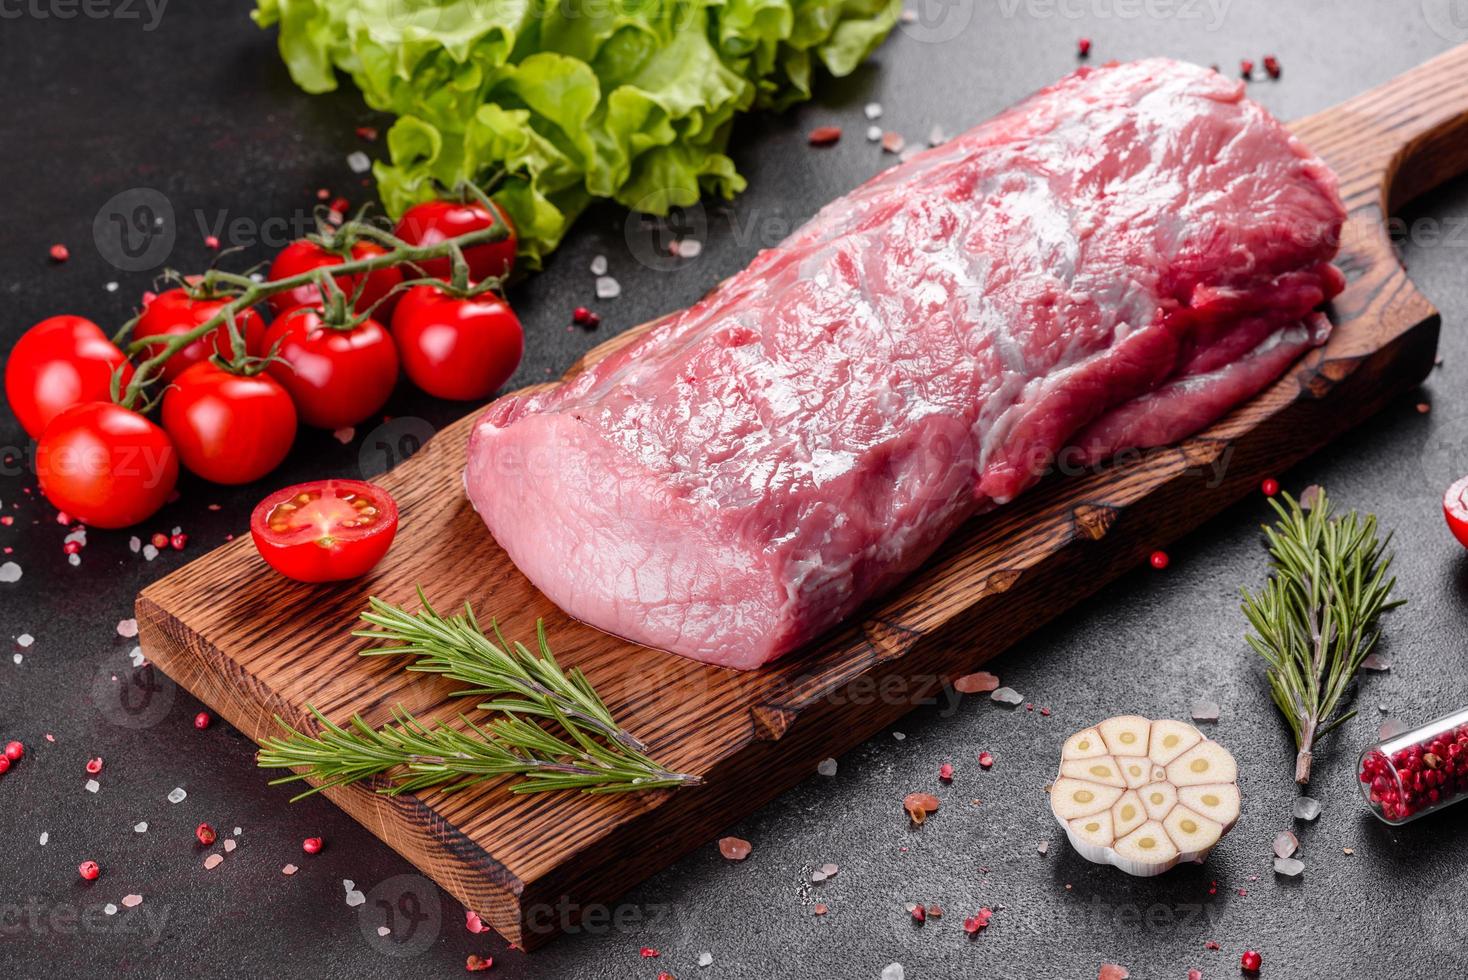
{"points": [[937, 136], [899, 736], [874, 133], [1376, 661], [359, 162], [289, 869], [826, 767], [229, 845], [213, 861], [689, 248], [1285, 844], [355, 898], [345, 435], [705, 959], [1205, 711], [177, 795], [141, 827], [598, 265], [1306, 808], [1007, 695], [127, 628], [134, 544], [131, 901], [149, 552], [9, 572], [109, 909], [893, 971], [92, 786], [893, 142], [734, 848], [607, 288], [384, 930], [135, 655], [1043, 846], [1289, 867], [873, 110], [45, 836], [25, 640]]}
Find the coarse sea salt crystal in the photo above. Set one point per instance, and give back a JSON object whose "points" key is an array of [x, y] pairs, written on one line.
{"points": [[1285, 844], [1306, 808], [17, 657], [1376, 661], [131, 901], [9, 572], [689, 248], [345, 434], [874, 133], [177, 794], [355, 898], [135, 655], [238, 831], [359, 162], [893, 971], [213, 861], [1289, 867], [141, 827], [1043, 846], [110, 286], [598, 265], [73, 560], [607, 288], [230, 845], [384, 930], [289, 869], [899, 736], [25, 640], [134, 544], [149, 552], [1007, 695], [705, 959], [873, 110], [826, 767], [45, 836], [93, 786], [127, 628], [109, 909], [1205, 710]]}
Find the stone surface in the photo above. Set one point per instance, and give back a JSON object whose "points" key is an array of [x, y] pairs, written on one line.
{"points": [[97, 106]]}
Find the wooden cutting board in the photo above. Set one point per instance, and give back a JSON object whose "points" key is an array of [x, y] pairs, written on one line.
{"points": [[228, 629]]}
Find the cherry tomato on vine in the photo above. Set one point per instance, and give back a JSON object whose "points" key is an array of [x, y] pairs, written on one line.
{"points": [[457, 348], [227, 427], [106, 465], [60, 362], [434, 221], [1455, 509], [303, 255], [336, 377], [174, 311], [326, 530]]}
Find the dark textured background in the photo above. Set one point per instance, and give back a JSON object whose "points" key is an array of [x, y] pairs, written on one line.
{"points": [[201, 110]]}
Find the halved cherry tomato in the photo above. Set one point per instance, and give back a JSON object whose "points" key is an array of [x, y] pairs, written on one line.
{"points": [[336, 377], [457, 348], [434, 221], [227, 427], [60, 362], [1455, 509], [106, 465], [303, 255], [326, 530], [174, 311]]}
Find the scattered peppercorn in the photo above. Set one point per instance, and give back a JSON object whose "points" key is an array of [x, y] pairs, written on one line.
{"points": [[206, 834], [1271, 65], [177, 541], [824, 135], [1246, 68], [14, 751], [88, 870], [1269, 487], [201, 720], [1250, 962], [1083, 47], [59, 253], [1159, 560], [94, 766], [311, 845]]}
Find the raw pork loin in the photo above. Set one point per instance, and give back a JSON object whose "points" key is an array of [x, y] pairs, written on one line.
{"points": [[1113, 263]]}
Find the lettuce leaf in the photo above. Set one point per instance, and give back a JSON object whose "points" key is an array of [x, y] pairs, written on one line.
{"points": [[561, 102]]}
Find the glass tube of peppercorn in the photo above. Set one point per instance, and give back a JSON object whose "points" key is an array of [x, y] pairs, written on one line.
{"points": [[1418, 771]]}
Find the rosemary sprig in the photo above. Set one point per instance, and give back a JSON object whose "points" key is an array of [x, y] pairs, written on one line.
{"points": [[552, 729], [1316, 618]]}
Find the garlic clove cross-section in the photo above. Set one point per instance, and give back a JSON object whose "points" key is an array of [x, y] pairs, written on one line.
{"points": [[1144, 795]]}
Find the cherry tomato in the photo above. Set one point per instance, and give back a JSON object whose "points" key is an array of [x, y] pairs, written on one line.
{"points": [[336, 377], [174, 311], [326, 530], [229, 428], [60, 362], [433, 221], [106, 465], [457, 348], [1455, 509], [303, 255]]}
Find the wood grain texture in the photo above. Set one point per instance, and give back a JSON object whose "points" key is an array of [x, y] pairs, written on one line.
{"points": [[230, 631]]}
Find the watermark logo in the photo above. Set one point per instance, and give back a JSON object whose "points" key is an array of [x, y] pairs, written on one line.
{"points": [[658, 241], [402, 916], [392, 442], [148, 12], [1448, 19], [130, 692], [135, 230], [936, 21]]}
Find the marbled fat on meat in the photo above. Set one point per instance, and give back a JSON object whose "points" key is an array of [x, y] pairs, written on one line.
{"points": [[1113, 263]]}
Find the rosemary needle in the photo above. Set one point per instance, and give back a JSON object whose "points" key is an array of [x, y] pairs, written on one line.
{"points": [[550, 726], [1316, 618]]}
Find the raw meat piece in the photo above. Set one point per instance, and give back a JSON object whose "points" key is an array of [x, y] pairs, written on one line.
{"points": [[1114, 263]]}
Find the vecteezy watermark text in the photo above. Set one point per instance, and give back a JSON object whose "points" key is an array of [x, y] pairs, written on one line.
{"points": [[148, 12]]}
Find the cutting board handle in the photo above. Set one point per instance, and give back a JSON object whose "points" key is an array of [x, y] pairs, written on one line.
{"points": [[1401, 139]]}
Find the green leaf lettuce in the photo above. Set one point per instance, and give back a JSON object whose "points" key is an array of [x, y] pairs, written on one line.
{"points": [[563, 101]]}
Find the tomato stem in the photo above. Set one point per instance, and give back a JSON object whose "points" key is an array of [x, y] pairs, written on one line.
{"points": [[252, 292]]}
